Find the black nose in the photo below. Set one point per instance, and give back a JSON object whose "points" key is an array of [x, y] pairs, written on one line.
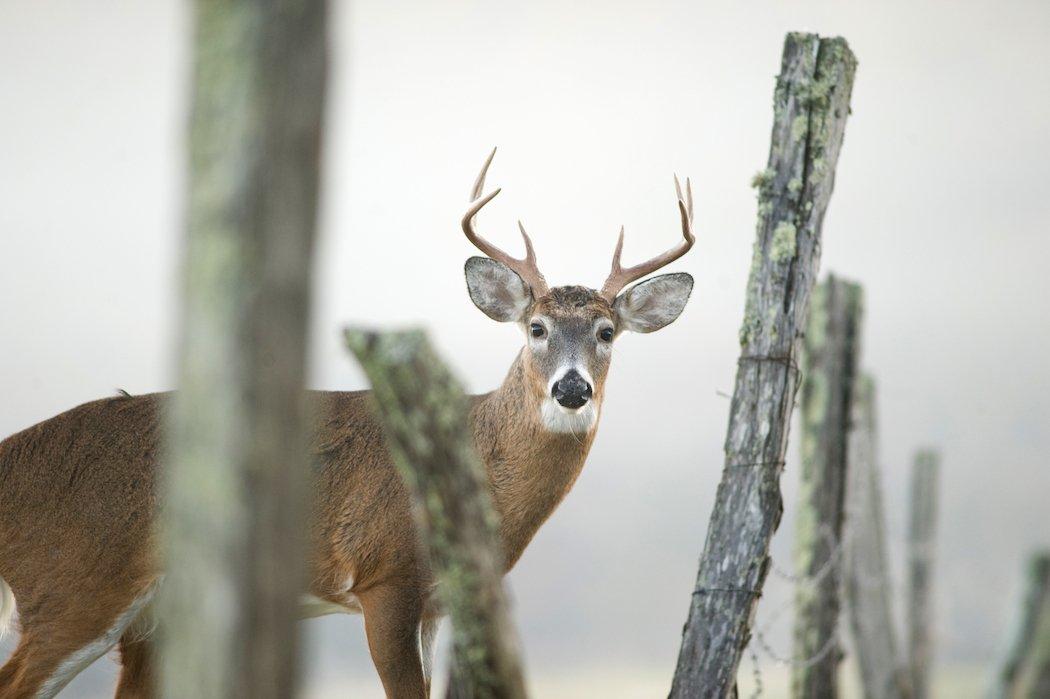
{"points": [[572, 390]]}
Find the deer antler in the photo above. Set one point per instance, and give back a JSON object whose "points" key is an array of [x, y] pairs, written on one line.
{"points": [[620, 277], [526, 268]]}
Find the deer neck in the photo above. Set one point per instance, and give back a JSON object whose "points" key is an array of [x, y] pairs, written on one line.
{"points": [[531, 468]]}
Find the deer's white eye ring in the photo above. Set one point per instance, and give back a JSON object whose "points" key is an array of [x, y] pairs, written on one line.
{"points": [[537, 330], [605, 334]]}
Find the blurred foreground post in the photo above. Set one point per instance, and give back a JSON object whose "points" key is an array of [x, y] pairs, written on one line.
{"points": [[922, 521], [867, 578], [830, 361], [232, 528], [1025, 672], [810, 104], [424, 415]]}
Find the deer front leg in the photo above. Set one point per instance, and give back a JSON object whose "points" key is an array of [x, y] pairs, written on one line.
{"points": [[392, 619]]}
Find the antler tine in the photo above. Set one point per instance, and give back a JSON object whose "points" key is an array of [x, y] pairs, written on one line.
{"points": [[620, 277], [686, 204], [479, 183], [689, 191], [530, 254], [526, 268]]}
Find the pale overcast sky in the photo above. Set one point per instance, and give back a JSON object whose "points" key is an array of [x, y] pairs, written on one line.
{"points": [[940, 210]]}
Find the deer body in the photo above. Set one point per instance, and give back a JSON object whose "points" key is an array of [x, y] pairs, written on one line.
{"points": [[78, 492], [97, 547]]}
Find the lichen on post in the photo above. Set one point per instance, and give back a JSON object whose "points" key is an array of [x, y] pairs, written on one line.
{"points": [[236, 478], [811, 104], [424, 415], [829, 365]]}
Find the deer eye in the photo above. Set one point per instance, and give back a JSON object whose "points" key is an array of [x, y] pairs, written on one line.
{"points": [[537, 330], [605, 334]]}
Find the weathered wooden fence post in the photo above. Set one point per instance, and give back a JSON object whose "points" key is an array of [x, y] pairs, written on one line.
{"points": [[1025, 670], [1030, 674], [830, 354], [811, 103], [922, 528], [235, 485], [1033, 681], [867, 578], [424, 414]]}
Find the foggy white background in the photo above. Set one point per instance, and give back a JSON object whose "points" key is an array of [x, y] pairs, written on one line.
{"points": [[940, 210]]}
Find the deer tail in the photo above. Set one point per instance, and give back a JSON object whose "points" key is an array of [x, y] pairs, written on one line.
{"points": [[7, 606]]}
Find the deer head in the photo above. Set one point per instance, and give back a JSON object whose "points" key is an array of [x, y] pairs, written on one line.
{"points": [[570, 330]]}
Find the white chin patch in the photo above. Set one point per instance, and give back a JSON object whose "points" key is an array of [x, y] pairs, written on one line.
{"points": [[559, 419]]}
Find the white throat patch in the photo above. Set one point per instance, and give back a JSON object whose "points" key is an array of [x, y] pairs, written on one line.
{"points": [[563, 421]]}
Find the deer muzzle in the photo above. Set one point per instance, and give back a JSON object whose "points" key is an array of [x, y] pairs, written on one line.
{"points": [[572, 390]]}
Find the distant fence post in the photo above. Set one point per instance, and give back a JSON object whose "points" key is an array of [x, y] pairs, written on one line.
{"points": [[922, 529], [1033, 676], [829, 367], [1025, 670], [424, 415], [810, 104], [236, 479], [867, 579]]}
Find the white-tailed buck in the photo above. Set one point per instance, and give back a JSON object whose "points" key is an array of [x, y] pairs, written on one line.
{"points": [[78, 492]]}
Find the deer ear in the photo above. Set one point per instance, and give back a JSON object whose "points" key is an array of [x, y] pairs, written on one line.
{"points": [[654, 303], [496, 289]]}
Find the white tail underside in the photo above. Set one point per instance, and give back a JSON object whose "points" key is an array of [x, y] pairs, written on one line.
{"points": [[7, 607]]}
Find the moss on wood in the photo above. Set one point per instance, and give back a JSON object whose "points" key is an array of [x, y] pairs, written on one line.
{"points": [[424, 415], [830, 359], [792, 195], [234, 480]]}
